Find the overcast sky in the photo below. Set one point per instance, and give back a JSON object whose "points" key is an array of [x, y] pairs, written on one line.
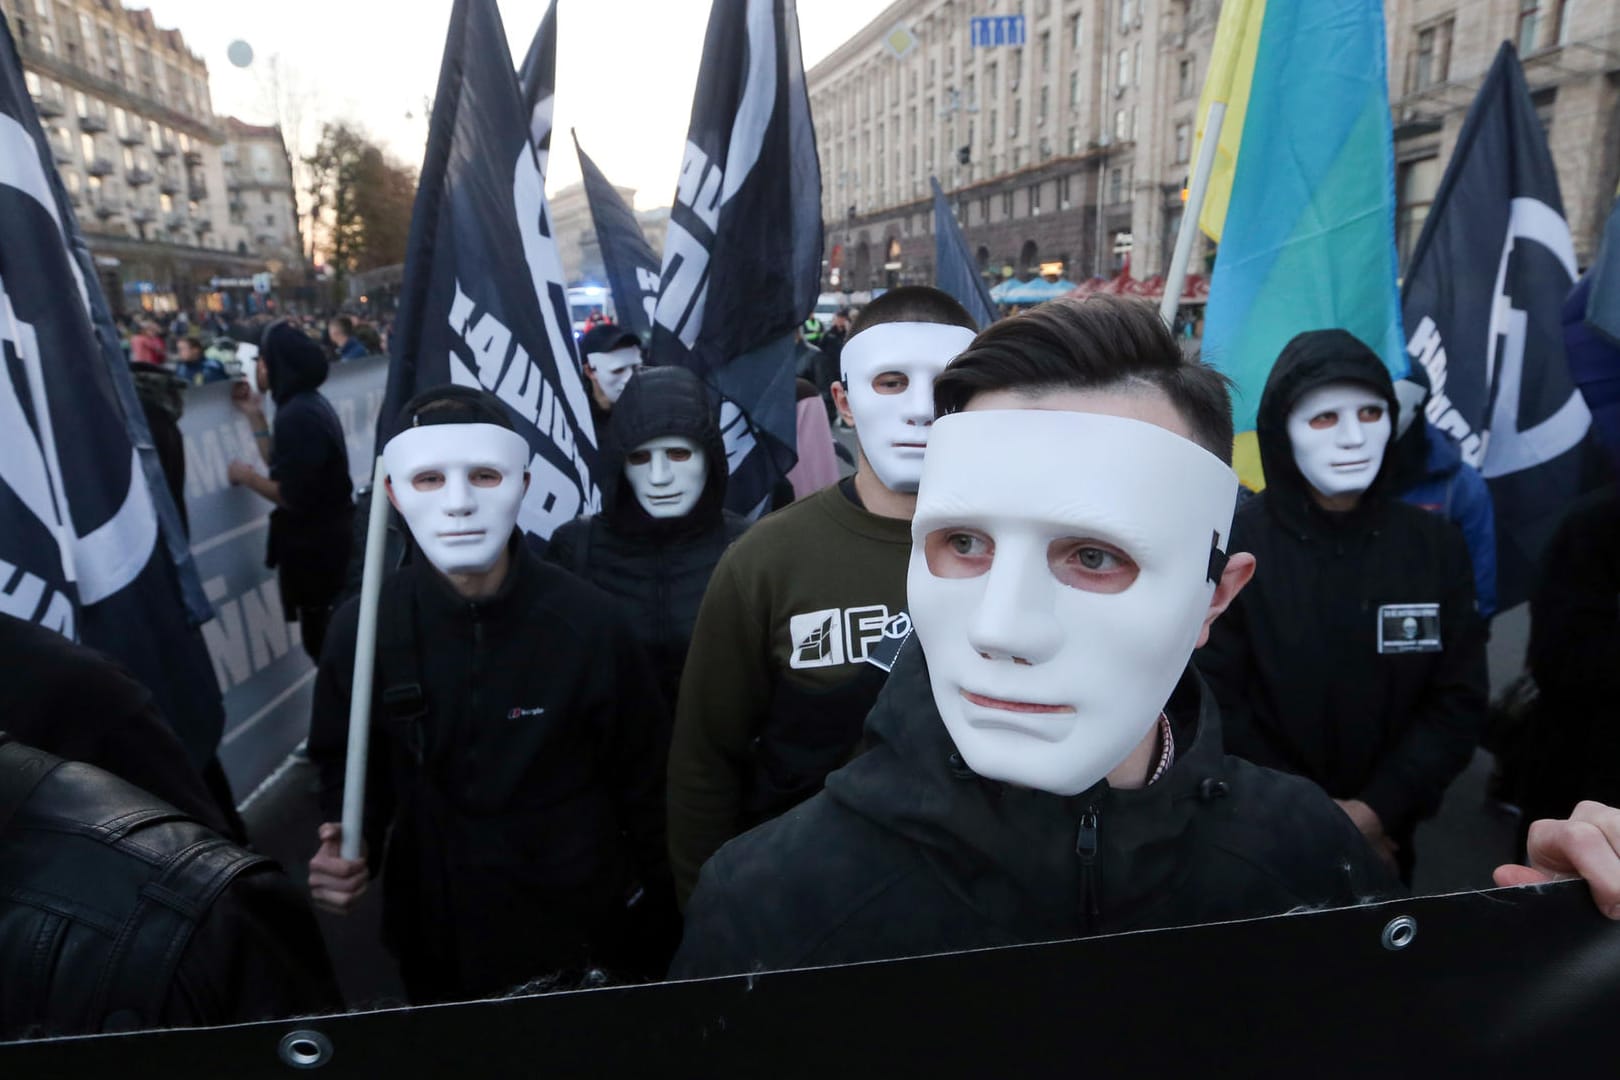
{"points": [[625, 69]]}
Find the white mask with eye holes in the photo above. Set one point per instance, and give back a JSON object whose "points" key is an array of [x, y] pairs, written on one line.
{"points": [[613, 370], [889, 373], [458, 487], [1339, 432], [1061, 571], [667, 474]]}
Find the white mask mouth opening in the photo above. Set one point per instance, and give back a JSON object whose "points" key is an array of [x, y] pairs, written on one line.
{"points": [[1339, 433], [1061, 570], [668, 475], [459, 488], [889, 372]]}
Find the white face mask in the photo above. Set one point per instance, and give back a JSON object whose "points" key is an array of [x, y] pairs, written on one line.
{"points": [[667, 474], [1339, 432], [889, 373], [459, 487], [1059, 579], [613, 369]]}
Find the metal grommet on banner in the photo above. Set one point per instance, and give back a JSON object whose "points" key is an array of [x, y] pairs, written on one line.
{"points": [[305, 1049], [1399, 932]]}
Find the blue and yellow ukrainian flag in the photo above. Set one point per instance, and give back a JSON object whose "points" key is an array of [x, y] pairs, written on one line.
{"points": [[1302, 199]]}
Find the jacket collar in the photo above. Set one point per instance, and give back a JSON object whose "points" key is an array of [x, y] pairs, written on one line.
{"points": [[1011, 852]]}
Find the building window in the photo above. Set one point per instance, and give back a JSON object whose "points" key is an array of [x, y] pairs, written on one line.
{"points": [[1116, 186], [1042, 114], [1119, 124], [1034, 198], [1184, 78], [1046, 51], [266, 195], [1183, 142], [1432, 61], [1559, 25], [1074, 139], [1529, 25], [1127, 13], [990, 132], [269, 219], [1017, 118], [1006, 204], [1123, 63], [992, 82], [1136, 67], [1133, 123], [1075, 38], [984, 210], [1416, 183]]}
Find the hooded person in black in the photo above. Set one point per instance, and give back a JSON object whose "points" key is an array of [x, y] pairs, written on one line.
{"points": [[658, 566], [310, 528], [514, 805], [1356, 657]]}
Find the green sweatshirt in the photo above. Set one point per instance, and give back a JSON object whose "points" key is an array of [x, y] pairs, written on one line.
{"points": [[780, 655]]}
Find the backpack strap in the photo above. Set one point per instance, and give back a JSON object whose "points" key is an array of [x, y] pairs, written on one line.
{"points": [[21, 770], [402, 699], [137, 977]]}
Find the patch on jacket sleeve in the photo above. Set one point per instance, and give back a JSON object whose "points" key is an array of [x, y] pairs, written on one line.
{"points": [[1409, 628]]}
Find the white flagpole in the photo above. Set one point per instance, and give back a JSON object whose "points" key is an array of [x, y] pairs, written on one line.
{"points": [[1176, 280], [365, 662]]}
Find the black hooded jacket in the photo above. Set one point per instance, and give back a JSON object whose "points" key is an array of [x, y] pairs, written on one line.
{"points": [[1296, 662], [310, 531], [659, 567], [908, 852]]}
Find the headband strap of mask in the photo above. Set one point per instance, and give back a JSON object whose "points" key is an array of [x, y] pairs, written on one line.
{"points": [[1217, 558]]}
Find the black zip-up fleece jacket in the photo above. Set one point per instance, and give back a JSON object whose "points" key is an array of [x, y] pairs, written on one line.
{"points": [[657, 567], [1296, 663], [529, 801], [908, 852]]}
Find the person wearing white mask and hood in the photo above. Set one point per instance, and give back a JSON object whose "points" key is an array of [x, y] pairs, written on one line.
{"points": [[610, 356], [656, 545], [1357, 657], [1047, 763], [803, 615], [517, 742]]}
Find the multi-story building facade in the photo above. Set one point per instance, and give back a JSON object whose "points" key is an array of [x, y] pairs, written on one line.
{"points": [[575, 231], [260, 198], [1069, 152], [126, 108]]}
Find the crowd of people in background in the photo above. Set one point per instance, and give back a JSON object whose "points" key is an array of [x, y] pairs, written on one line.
{"points": [[846, 731]]}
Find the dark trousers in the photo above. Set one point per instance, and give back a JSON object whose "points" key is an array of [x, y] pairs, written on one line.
{"points": [[312, 623]]}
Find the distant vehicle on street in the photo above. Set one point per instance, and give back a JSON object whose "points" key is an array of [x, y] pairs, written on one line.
{"points": [[587, 300]]}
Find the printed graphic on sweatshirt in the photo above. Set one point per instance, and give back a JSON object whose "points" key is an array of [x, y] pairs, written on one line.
{"points": [[1409, 628], [836, 636]]}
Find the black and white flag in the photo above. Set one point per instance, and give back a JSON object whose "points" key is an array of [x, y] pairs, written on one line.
{"points": [[627, 258], [538, 80], [955, 272], [742, 256], [1481, 304], [90, 542], [483, 303]]}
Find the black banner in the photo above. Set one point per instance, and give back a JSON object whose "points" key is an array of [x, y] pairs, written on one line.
{"points": [[955, 271], [1482, 303], [1506, 982], [631, 265], [90, 541], [742, 256], [538, 80], [483, 303]]}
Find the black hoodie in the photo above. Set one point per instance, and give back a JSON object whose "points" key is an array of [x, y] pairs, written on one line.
{"points": [[908, 852], [310, 531], [659, 567], [1296, 662]]}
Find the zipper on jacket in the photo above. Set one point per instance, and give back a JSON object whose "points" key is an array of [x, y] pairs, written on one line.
{"points": [[1085, 846]]}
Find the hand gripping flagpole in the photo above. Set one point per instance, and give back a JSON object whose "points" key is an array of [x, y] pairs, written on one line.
{"points": [[1176, 280], [365, 662]]}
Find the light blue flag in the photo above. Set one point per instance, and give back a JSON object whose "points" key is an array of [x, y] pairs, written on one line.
{"points": [[1309, 241]]}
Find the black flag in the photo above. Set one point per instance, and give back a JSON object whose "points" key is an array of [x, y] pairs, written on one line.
{"points": [[632, 268], [88, 531], [955, 272], [742, 257], [1482, 304], [483, 302], [538, 80]]}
